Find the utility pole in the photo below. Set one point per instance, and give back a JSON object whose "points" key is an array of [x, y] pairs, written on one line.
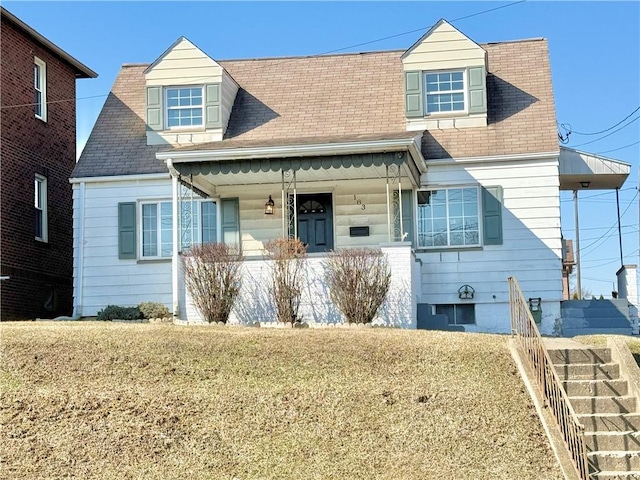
{"points": [[577, 250]]}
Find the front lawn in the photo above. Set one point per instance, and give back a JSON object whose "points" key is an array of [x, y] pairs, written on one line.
{"points": [[113, 400]]}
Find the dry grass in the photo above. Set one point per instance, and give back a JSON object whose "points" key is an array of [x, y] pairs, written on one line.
{"points": [[103, 400]]}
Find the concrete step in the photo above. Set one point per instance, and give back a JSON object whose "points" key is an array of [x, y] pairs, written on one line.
{"points": [[582, 405], [603, 388], [574, 355], [612, 422], [615, 461], [602, 475], [613, 441], [584, 371]]}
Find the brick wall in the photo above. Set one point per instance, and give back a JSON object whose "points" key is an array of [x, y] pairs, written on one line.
{"points": [[29, 146]]}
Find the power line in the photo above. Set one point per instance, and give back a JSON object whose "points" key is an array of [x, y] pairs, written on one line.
{"points": [[610, 128], [607, 135], [612, 261], [609, 192], [619, 148], [611, 228], [49, 102], [422, 29], [602, 228]]}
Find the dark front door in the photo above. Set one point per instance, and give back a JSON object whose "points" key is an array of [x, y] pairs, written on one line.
{"points": [[315, 221]]}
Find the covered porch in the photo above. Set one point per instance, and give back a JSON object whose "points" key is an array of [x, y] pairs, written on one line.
{"points": [[580, 171], [344, 194]]}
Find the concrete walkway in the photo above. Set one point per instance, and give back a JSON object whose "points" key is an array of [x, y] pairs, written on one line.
{"points": [[562, 343]]}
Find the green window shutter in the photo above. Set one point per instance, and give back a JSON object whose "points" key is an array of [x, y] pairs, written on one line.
{"points": [[127, 230], [413, 96], [477, 82], [492, 215], [230, 219], [407, 217], [154, 109], [213, 105]]}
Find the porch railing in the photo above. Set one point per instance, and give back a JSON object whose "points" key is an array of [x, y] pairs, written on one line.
{"points": [[525, 330]]}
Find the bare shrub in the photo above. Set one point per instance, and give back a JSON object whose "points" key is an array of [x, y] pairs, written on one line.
{"points": [[213, 277], [289, 256], [358, 280]]}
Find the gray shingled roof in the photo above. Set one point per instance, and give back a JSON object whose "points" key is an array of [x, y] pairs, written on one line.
{"points": [[337, 98]]}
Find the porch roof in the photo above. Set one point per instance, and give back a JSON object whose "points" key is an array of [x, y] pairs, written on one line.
{"points": [[580, 171], [355, 157]]}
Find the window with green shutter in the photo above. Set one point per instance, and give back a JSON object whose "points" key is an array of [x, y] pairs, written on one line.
{"points": [[492, 215], [127, 230], [451, 217], [230, 220]]}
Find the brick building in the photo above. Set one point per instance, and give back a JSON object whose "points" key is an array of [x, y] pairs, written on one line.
{"points": [[38, 154]]}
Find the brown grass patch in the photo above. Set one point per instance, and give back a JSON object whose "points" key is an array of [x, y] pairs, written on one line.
{"points": [[102, 400]]}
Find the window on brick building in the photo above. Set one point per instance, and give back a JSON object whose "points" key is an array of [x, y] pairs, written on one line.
{"points": [[40, 204], [40, 87]]}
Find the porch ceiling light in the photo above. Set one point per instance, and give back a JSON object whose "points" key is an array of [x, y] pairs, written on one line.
{"points": [[585, 184], [269, 206]]}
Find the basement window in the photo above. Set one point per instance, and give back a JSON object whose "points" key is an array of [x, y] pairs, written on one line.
{"points": [[458, 314]]}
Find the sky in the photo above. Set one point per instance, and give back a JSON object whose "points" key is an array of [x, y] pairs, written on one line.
{"points": [[594, 49]]}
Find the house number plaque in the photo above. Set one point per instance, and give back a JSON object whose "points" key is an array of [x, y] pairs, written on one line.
{"points": [[359, 202]]}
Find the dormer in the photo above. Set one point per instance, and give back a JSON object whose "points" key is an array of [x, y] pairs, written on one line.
{"points": [[445, 81], [189, 97]]}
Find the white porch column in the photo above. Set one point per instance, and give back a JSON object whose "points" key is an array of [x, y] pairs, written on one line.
{"points": [[628, 284], [175, 260]]}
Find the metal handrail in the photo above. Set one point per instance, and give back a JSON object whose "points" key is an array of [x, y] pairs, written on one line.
{"points": [[526, 331]]}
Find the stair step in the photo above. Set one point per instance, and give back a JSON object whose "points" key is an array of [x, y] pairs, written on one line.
{"points": [[584, 388], [579, 355], [616, 441], [613, 422], [583, 405], [588, 371], [615, 461], [604, 475]]}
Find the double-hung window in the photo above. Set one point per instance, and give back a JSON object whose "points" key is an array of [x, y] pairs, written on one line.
{"points": [[40, 88], [197, 224], [448, 217], [40, 208], [445, 91], [184, 107]]}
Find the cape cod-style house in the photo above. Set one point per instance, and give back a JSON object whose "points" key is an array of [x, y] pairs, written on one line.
{"points": [[445, 156]]}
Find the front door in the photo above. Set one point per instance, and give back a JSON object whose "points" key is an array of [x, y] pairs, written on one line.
{"points": [[315, 221]]}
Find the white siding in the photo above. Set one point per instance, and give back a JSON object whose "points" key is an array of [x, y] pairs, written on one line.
{"points": [[445, 48], [229, 91], [531, 249], [106, 279], [258, 228], [185, 64]]}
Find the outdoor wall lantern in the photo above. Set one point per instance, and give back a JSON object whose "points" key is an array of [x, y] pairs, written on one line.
{"points": [[585, 184], [269, 207]]}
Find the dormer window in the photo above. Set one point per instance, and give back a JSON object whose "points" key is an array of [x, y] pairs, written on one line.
{"points": [[445, 83], [184, 107], [445, 91]]}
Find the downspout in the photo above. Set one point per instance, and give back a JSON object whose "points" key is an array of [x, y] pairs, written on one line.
{"points": [[79, 299]]}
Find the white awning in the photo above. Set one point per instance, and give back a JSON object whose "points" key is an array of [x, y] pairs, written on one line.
{"points": [[581, 171]]}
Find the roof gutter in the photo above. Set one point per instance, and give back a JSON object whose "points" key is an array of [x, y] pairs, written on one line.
{"points": [[411, 144]]}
